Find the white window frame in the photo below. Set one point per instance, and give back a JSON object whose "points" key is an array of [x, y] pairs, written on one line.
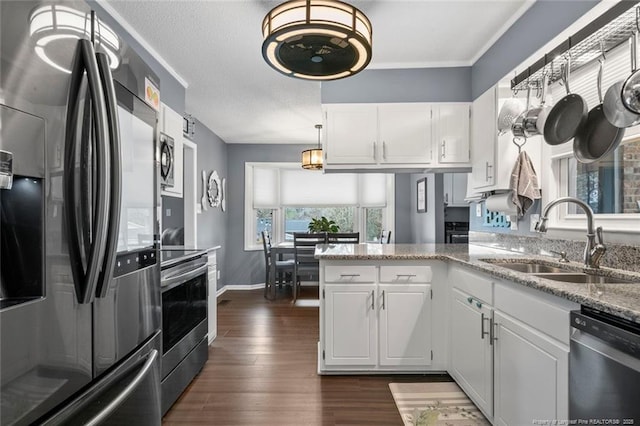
{"points": [[565, 224], [277, 230]]}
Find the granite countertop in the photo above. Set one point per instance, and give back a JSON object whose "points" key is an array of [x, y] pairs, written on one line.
{"points": [[618, 299]]}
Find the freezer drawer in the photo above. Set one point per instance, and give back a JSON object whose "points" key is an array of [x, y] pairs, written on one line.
{"points": [[128, 394]]}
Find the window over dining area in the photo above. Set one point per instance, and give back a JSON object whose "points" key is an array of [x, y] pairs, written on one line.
{"points": [[282, 198]]}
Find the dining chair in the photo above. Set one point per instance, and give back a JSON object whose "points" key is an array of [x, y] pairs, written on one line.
{"points": [[343, 237], [306, 265], [282, 267]]}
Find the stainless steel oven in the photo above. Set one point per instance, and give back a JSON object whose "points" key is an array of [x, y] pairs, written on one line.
{"points": [[184, 320], [604, 369]]}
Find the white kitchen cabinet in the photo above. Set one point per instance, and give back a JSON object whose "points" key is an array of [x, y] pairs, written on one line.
{"points": [[351, 134], [377, 317], [405, 133], [350, 325], [170, 122], [396, 136], [212, 299], [455, 189], [471, 349], [405, 324], [493, 155], [531, 374], [451, 132], [484, 135]]}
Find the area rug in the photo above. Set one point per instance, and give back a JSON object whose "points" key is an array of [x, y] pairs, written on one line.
{"points": [[439, 403]]}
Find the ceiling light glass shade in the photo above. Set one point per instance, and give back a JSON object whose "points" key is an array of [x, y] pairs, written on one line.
{"points": [[51, 26], [312, 159], [316, 39]]}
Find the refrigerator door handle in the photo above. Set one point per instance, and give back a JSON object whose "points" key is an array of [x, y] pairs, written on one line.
{"points": [[122, 396], [85, 281], [115, 174]]}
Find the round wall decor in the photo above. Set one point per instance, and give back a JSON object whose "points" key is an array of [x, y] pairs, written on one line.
{"points": [[214, 189]]}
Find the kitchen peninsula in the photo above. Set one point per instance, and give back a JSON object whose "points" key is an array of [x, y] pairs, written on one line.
{"points": [[464, 309]]}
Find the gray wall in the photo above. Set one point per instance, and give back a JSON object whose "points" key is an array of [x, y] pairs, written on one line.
{"points": [[247, 267], [544, 20], [401, 85], [403, 231], [213, 223], [427, 227]]}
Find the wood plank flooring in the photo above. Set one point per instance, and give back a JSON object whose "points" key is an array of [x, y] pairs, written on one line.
{"points": [[262, 371]]}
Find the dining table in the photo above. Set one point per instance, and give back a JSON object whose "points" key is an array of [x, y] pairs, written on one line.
{"points": [[278, 251]]}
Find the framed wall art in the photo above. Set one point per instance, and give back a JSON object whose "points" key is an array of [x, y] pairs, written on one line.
{"points": [[421, 195]]}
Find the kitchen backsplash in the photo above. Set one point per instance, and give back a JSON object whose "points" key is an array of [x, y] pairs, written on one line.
{"points": [[617, 256], [477, 223], [172, 221]]}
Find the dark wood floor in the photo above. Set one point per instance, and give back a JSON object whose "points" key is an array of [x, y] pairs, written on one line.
{"points": [[262, 371]]}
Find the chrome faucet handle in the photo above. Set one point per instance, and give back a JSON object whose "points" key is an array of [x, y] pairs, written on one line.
{"points": [[562, 254], [599, 235]]}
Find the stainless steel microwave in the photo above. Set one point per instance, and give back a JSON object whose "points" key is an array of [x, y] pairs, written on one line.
{"points": [[167, 160]]}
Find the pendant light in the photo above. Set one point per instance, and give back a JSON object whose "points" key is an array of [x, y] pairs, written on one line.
{"points": [[312, 158], [316, 39]]}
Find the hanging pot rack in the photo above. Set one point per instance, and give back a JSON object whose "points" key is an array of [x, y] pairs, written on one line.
{"points": [[604, 33]]}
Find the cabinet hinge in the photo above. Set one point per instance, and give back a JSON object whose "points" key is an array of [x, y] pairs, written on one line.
{"points": [[323, 293], [431, 355], [323, 354]]}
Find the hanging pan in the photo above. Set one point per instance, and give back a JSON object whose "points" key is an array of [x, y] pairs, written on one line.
{"points": [[567, 116], [631, 87], [614, 108], [598, 136]]}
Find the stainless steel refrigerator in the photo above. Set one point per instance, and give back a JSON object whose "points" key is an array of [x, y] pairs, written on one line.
{"points": [[80, 310]]}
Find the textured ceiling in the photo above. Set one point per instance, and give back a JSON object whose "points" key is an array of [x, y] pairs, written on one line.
{"points": [[215, 46]]}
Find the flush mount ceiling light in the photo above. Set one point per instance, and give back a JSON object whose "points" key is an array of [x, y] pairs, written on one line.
{"points": [[316, 39], [51, 27], [312, 158]]}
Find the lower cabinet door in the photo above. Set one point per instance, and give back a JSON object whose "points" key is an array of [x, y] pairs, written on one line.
{"points": [[350, 324], [471, 349], [405, 324], [531, 375]]}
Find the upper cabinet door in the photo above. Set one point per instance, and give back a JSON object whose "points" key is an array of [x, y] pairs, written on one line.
{"points": [[351, 134], [405, 133], [483, 139], [452, 132]]}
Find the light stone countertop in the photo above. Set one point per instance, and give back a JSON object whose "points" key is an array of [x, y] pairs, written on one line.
{"points": [[617, 299]]}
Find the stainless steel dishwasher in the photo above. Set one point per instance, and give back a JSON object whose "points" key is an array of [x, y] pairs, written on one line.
{"points": [[604, 369]]}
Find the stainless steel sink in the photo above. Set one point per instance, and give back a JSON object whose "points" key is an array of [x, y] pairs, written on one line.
{"points": [[585, 278], [530, 268]]}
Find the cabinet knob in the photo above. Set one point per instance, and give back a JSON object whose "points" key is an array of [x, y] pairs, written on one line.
{"points": [[470, 299]]}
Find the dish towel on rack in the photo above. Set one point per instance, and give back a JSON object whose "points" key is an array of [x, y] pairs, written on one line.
{"points": [[524, 184]]}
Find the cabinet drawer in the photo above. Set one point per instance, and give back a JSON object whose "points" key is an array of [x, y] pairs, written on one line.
{"points": [[474, 283], [545, 312], [405, 274], [349, 274]]}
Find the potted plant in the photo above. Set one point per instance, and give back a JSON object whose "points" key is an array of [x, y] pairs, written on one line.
{"points": [[323, 225]]}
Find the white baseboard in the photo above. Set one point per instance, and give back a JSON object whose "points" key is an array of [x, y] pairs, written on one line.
{"points": [[256, 286], [239, 287]]}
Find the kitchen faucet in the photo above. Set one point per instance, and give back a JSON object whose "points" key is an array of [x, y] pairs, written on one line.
{"points": [[592, 252]]}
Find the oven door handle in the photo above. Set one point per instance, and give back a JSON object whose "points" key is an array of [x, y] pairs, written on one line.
{"points": [[169, 283]]}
